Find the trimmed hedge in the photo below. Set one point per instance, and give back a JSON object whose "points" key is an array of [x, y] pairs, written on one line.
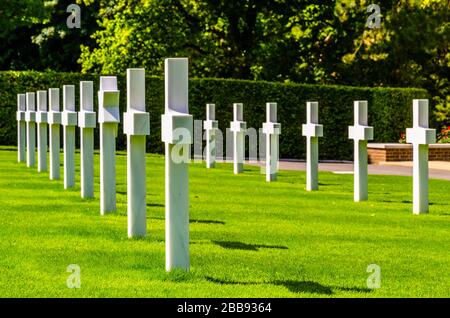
{"points": [[390, 109]]}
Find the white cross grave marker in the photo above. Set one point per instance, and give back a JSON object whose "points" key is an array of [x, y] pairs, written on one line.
{"points": [[87, 123], [420, 136], [272, 131], [109, 118], [54, 121], [136, 126], [69, 121], [360, 132], [238, 127], [176, 132], [210, 126], [41, 120], [30, 118], [312, 130], [21, 127]]}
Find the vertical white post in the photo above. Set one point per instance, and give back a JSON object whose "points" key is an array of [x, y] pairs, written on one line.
{"points": [[238, 127], [420, 136], [312, 130], [109, 118], [41, 119], [176, 132], [136, 127], [210, 126], [69, 121], [272, 131], [86, 122], [360, 132], [30, 118], [54, 121], [21, 127]]}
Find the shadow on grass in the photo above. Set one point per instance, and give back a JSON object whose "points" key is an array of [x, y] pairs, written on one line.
{"points": [[206, 221], [295, 286], [246, 247], [395, 201], [299, 287], [156, 204], [410, 202], [432, 203], [191, 220]]}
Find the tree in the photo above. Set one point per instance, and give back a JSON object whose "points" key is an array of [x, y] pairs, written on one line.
{"points": [[58, 45], [412, 48], [34, 35], [18, 17]]}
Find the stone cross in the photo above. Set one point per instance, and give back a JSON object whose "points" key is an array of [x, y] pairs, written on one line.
{"points": [[176, 132], [136, 125], [21, 127], [238, 127], [360, 132], [87, 123], [109, 118], [312, 131], [54, 121], [272, 131], [30, 118], [41, 120], [420, 136], [69, 121], [210, 126]]}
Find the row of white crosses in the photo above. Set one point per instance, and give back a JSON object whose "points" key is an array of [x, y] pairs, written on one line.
{"points": [[420, 136], [177, 134], [177, 127], [238, 127], [136, 127]]}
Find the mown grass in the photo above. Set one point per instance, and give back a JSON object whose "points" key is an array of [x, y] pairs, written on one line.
{"points": [[249, 238]]}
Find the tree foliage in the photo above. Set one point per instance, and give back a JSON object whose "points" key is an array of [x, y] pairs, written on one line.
{"points": [[276, 40], [34, 35]]}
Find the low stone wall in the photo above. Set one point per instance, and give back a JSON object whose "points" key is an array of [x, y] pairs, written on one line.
{"points": [[403, 152]]}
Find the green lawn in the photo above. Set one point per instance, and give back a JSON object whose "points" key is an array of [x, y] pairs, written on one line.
{"points": [[249, 238]]}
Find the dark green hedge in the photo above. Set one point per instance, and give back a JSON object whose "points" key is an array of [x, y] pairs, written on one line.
{"points": [[389, 108]]}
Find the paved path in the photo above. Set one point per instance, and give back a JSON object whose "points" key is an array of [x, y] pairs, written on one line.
{"points": [[438, 169]]}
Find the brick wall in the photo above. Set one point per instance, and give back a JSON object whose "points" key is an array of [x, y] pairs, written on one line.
{"points": [[401, 152]]}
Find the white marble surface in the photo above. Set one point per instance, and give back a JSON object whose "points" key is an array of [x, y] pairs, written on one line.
{"points": [[108, 97], [54, 121], [271, 129], [176, 122], [136, 126], [238, 127], [30, 118], [87, 123], [210, 126], [312, 130], [41, 119], [21, 128], [361, 133], [420, 136], [69, 121]]}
